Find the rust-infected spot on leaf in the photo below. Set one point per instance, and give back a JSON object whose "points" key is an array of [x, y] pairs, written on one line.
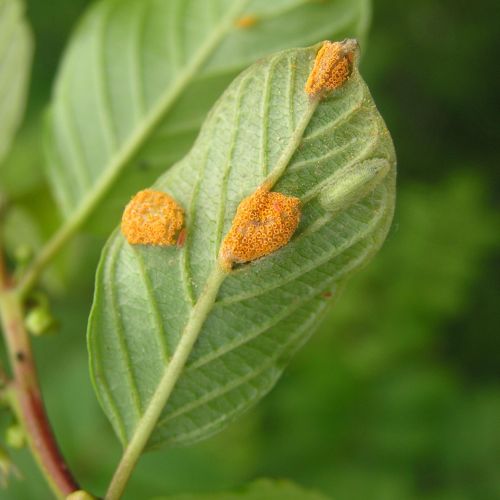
{"points": [[181, 239], [246, 21], [332, 66], [152, 218], [264, 222]]}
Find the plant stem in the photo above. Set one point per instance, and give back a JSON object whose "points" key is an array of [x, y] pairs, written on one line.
{"points": [[148, 421], [26, 399]]}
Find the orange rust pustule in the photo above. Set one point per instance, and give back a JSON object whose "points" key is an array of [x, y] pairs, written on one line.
{"points": [[264, 222], [152, 218], [332, 66], [246, 21]]}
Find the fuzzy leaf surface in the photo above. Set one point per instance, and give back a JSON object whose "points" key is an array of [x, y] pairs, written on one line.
{"points": [[263, 311], [139, 77]]}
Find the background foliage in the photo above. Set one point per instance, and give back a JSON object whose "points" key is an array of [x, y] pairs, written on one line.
{"points": [[398, 395]]}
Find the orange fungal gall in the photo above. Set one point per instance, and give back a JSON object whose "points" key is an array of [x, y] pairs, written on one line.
{"points": [[246, 21], [152, 218], [332, 66], [264, 222]]}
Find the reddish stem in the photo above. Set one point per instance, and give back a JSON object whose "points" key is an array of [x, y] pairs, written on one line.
{"points": [[28, 402]]}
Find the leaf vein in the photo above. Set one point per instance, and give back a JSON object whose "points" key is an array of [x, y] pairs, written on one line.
{"points": [[159, 329], [368, 148], [229, 347], [227, 166], [333, 124], [120, 332], [299, 165], [292, 64], [245, 378], [312, 264], [265, 117]]}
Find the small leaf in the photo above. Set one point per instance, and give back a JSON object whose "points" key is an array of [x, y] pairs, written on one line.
{"points": [[156, 308], [15, 59], [140, 75], [263, 489]]}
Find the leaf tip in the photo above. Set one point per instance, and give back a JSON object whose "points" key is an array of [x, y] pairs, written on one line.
{"points": [[264, 222], [332, 67], [152, 218]]}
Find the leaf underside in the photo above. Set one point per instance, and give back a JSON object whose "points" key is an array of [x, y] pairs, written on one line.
{"points": [[140, 75], [264, 310], [15, 59]]}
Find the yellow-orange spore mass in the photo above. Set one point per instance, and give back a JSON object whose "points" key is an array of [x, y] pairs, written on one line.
{"points": [[264, 222], [246, 21], [332, 66], [152, 218]]}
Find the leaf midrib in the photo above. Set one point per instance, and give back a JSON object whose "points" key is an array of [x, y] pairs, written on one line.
{"points": [[209, 294], [137, 139], [312, 265], [122, 157], [131, 146], [200, 311], [262, 327], [293, 307]]}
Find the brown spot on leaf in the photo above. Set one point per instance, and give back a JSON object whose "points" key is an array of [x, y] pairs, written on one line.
{"points": [[181, 239], [152, 218]]}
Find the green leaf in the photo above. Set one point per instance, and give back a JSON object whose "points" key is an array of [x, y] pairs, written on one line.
{"points": [[156, 308], [263, 489], [15, 59], [140, 75]]}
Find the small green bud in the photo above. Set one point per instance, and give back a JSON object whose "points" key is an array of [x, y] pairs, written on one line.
{"points": [[15, 437], [23, 255], [39, 320]]}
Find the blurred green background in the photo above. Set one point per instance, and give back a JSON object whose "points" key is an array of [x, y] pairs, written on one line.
{"points": [[397, 396]]}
